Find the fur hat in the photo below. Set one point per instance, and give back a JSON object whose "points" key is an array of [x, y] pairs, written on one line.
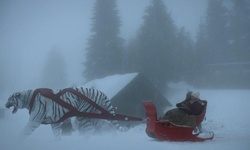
{"points": [[196, 94]]}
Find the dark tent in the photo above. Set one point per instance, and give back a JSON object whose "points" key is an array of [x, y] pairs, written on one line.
{"points": [[128, 91]]}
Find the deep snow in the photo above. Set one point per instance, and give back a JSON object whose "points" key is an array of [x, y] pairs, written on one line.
{"points": [[227, 116]]}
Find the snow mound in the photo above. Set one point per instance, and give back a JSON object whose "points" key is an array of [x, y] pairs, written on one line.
{"points": [[111, 85]]}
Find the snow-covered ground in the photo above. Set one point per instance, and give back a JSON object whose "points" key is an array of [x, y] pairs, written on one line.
{"points": [[227, 116]]}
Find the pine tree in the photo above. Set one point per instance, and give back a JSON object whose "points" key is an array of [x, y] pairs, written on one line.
{"points": [[201, 50], [184, 56], [201, 47], [105, 47], [240, 33], [153, 48], [217, 32]]}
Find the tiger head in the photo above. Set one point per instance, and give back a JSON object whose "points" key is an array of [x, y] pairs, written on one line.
{"points": [[14, 100]]}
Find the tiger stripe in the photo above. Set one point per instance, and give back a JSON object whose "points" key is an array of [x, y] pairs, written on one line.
{"points": [[47, 111]]}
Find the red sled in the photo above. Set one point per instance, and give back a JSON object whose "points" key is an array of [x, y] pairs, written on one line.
{"points": [[167, 131]]}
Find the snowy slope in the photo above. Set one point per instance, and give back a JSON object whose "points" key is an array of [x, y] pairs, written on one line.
{"points": [[111, 85], [227, 116]]}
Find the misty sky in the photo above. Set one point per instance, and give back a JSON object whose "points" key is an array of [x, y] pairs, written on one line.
{"points": [[29, 29]]}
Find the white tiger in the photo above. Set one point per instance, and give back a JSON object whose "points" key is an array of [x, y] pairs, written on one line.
{"points": [[44, 110]]}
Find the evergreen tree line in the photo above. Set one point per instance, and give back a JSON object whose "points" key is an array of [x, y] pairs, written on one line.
{"points": [[223, 44], [161, 51]]}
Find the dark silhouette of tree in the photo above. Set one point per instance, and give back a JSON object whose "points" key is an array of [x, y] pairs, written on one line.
{"points": [[105, 47], [54, 71], [212, 44], [152, 51], [217, 32], [222, 40], [185, 56], [239, 31], [201, 50], [201, 47]]}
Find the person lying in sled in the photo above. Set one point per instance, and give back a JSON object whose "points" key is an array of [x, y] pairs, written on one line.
{"points": [[186, 111]]}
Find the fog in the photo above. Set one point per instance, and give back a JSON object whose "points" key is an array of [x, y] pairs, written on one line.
{"points": [[30, 29]]}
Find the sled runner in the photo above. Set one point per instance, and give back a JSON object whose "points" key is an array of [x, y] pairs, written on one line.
{"points": [[73, 111], [166, 130]]}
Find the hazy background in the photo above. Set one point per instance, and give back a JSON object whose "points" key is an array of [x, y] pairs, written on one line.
{"points": [[31, 29]]}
